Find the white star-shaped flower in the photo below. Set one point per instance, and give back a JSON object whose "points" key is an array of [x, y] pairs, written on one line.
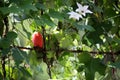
{"points": [[82, 9], [74, 15]]}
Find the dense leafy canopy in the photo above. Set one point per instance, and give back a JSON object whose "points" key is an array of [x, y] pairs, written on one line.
{"points": [[81, 39]]}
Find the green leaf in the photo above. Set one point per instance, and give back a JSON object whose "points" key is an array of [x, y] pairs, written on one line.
{"points": [[12, 9], [1, 75], [98, 9], [6, 41], [88, 27], [11, 35], [94, 65], [66, 41], [46, 19], [22, 6], [40, 6], [81, 68], [82, 27], [89, 75], [100, 29], [56, 14], [115, 65], [18, 55], [98, 66], [39, 22], [24, 71], [116, 39], [29, 7], [85, 58], [94, 38], [109, 12], [5, 51], [40, 72], [21, 2], [91, 65]]}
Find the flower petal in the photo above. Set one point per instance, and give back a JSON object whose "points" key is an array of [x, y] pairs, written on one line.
{"points": [[74, 15], [82, 9], [85, 7], [79, 10], [88, 11], [79, 5]]}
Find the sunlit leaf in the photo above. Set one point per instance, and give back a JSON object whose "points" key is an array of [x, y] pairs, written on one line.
{"points": [[66, 42]]}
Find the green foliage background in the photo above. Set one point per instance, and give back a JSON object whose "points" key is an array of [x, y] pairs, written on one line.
{"points": [[87, 49]]}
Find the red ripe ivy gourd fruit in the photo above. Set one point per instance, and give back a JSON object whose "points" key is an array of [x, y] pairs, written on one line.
{"points": [[37, 39]]}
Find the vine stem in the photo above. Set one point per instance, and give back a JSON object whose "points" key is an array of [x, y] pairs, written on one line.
{"points": [[44, 53], [68, 50], [44, 46]]}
